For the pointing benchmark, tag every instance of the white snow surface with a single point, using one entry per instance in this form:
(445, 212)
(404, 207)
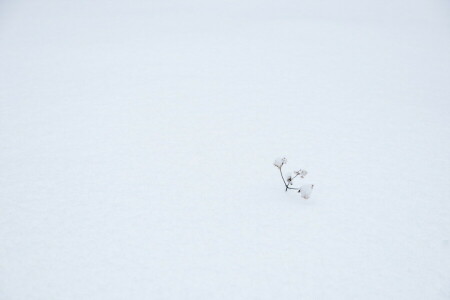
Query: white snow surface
(137, 141)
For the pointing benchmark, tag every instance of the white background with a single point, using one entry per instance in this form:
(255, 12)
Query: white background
(137, 141)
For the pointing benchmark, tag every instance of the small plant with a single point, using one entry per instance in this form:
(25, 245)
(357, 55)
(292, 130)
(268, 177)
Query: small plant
(305, 190)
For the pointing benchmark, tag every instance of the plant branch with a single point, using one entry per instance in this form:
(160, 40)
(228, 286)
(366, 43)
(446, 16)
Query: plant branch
(305, 189)
(284, 181)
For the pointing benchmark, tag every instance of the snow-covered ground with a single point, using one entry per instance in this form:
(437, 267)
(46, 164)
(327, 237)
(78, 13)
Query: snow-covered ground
(137, 141)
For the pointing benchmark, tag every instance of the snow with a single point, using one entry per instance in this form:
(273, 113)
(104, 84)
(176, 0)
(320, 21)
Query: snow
(306, 190)
(137, 141)
(280, 162)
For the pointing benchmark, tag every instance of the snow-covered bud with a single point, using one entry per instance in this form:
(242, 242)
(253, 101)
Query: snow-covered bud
(280, 162)
(289, 179)
(301, 173)
(306, 190)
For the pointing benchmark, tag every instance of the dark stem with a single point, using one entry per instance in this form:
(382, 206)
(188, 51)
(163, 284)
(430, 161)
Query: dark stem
(297, 189)
(284, 181)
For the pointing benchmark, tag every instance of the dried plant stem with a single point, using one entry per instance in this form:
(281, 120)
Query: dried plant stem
(284, 181)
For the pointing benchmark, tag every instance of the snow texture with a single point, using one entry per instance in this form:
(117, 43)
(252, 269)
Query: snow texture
(137, 140)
